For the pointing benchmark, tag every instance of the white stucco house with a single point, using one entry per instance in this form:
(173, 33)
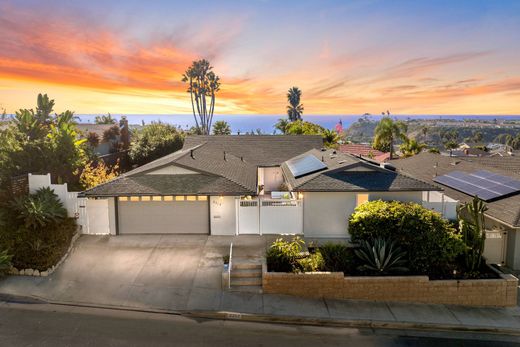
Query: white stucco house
(248, 184)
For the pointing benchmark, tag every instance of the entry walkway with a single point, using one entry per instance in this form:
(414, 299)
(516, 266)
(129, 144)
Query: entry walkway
(183, 274)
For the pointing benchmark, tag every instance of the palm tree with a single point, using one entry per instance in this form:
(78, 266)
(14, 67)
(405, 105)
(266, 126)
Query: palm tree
(294, 109)
(386, 132)
(330, 137)
(221, 127)
(105, 119)
(411, 147)
(282, 125)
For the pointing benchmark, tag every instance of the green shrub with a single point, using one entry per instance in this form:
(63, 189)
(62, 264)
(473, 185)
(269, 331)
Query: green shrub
(337, 257)
(39, 209)
(430, 241)
(311, 263)
(5, 261)
(282, 256)
(381, 257)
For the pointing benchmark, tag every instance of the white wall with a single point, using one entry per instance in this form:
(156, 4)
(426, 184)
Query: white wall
(69, 200)
(273, 177)
(222, 215)
(326, 214)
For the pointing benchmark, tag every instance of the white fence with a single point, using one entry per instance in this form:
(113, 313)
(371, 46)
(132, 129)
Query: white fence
(270, 216)
(76, 207)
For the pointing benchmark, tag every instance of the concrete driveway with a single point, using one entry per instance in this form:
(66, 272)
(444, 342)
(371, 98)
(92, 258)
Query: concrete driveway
(175, 272)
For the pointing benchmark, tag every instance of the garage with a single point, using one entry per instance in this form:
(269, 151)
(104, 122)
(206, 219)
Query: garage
(163, 215)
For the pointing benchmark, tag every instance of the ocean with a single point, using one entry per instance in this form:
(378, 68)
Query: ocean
(247, 123)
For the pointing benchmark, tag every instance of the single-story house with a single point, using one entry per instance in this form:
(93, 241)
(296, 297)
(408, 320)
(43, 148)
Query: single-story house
(248, 184)
(503, 214)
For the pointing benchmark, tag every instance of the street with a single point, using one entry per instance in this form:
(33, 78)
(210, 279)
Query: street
(23, 324)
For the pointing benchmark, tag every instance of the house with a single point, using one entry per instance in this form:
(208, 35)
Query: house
(365, 151)
(503, 214)
(249, 184)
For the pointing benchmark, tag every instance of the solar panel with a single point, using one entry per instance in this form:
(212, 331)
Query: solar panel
(484, 184)
(305, 165)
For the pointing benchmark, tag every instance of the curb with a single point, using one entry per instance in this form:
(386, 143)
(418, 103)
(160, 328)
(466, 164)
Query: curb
(273, 319)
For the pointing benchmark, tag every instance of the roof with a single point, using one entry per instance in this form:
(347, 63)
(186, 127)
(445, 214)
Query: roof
(426, 166)
(347, 173)
(259, 150)
(364, 151)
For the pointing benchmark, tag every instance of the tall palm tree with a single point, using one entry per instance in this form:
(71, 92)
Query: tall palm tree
(294, 109)
(386, 132)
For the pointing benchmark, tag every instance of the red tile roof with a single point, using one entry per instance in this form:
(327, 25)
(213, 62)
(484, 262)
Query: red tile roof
(364, 151)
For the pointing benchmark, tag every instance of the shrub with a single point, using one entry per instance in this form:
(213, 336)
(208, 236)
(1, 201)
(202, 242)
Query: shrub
(337, 257)
(311, 263)
(5, 261)
(430, 241)
(381, 257)
(39, 209)
(154, 141)
(282, 255)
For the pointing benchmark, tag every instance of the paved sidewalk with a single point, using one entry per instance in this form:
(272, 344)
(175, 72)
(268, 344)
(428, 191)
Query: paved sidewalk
(197, 291)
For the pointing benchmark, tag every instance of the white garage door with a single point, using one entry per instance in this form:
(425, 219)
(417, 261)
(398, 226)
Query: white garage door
(163, 217)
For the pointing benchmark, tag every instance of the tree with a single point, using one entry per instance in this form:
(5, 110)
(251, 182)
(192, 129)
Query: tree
(330, 137)
(202, 84)
(96, 174)
(471, 225)
(221, 128)
(387, 132)
(282, 125)
(294, 109)
(411, 147)
(153, 141)
(105, 119)
(300, 127)
(111, 134)
(477, 136)
(93, 139)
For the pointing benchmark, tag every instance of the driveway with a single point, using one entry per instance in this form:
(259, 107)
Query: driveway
(175, 272)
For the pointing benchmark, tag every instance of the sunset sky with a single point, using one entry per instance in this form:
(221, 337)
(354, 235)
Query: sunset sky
(348, 57)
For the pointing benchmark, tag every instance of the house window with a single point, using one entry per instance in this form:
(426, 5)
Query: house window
(134, 198)
(145, 198)
(157, 198)
(123, 198)
(361, 199)
(179, 198)
(202, 198)
(168, 198)
(191, 198)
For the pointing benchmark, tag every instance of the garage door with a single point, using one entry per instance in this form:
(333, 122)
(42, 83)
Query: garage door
(163, 217)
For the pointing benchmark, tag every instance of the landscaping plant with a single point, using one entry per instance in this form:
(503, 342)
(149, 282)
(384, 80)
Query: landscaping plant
(282, 255)
(5, 261)
(337, 257)
(471, 225)
(431, 243)
(381, 257)
(312, 263)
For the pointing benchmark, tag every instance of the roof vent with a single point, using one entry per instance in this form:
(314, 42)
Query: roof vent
(242, 158)
(224, 155)
(191, 154)
(323, 149)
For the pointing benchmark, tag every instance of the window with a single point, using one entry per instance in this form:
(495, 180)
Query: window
(202, 198)
(157, 198)
(134, 198)
(179, 198)
(361, 199)
(168, 198)
(191, 198)
(145, 198)
(123, 198)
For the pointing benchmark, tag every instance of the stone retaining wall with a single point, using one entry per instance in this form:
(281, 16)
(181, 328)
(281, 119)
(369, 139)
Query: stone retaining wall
(418, 289)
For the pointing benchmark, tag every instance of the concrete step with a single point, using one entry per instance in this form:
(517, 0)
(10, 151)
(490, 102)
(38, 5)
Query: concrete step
(240, 282)
(248, 289)
(246, 266)
(246, 273)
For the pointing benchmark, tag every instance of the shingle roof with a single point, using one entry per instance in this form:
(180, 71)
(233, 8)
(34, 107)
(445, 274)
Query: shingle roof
(364, 151)
(347, 173)
(426, 166)
(260, 150)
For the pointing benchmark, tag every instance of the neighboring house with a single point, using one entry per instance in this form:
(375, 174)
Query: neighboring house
(503, 214)
(106, 147)
(467, 152)
(365, 151)
(258, 184)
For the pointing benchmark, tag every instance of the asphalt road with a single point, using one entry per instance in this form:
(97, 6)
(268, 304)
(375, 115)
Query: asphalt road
(54, 325)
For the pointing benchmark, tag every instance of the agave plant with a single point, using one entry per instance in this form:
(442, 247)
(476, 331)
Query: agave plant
(40, 208)
(381, 256)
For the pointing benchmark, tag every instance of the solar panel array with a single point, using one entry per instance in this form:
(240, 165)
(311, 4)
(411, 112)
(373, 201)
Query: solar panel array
(305, 165)
(484, 184)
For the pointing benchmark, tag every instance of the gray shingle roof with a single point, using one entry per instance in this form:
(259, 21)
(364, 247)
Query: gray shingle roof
(348, 173)
(426, 166)
(260, 150)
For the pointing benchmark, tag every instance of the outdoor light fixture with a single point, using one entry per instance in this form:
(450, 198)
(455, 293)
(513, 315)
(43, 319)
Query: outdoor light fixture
(300, 195)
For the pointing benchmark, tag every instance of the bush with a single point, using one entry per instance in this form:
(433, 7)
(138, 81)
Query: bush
(39, 209)
(311, 263)
(5, 261)
(430, 241)
(154, 141)
(337, 257)
(282, 256)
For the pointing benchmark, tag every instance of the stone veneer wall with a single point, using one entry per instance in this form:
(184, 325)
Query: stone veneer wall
(417, 289)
